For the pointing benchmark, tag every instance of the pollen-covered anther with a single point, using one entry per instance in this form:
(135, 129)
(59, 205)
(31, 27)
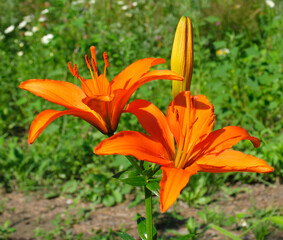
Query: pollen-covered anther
(105, 56)
(87, 62)
(94, 66)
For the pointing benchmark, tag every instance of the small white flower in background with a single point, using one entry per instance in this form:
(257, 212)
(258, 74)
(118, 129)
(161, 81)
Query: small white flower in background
(29, 18)
(243, 223)
(125, 7)
(28, 34)
(22, 24)
(134, 4)
(77, 2)
(237, 6)
(9, 29)
(34, 29)
(92, 2)
(44, 11)
(20, 53)
(47, 38)
(42, 19)
(21, 44)
(120, 2)
(128, 14)
(270, 3)
(222, 52)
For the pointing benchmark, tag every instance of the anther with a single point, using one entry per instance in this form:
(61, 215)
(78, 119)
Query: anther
(105, 56)
(93, 63)
(87, 62)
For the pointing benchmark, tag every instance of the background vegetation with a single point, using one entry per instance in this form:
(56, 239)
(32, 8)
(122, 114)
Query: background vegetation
(238, 66)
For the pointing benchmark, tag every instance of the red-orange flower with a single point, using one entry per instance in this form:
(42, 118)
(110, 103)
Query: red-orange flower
(97, 101)
(189, 121)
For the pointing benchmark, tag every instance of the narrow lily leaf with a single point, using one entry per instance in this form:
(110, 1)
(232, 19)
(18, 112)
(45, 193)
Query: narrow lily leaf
(142, 229)
(276, 219)
(125, 236)
(131, 177)
(225, 232)
(154, 187)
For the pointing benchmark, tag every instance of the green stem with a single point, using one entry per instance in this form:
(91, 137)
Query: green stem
(148, 213)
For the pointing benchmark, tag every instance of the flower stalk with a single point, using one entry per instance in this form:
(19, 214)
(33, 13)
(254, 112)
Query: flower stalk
(148, 213)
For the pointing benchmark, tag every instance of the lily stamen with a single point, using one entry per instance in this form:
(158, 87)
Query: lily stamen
(93, 61)
(105, 56)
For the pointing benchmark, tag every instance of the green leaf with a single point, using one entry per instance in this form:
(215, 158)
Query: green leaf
(70, 187)
(125, 236)
(224, 232)
(131, 177)
(118, 196)
(142, 229)
(276, 219)
(154, 187)
(212, 19)
(108, 200)
(51, 195)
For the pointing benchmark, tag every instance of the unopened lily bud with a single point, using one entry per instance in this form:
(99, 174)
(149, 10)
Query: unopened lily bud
(182, 57)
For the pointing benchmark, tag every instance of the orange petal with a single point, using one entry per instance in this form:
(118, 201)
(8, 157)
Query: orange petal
(154, 123)
(134, 72)
(232, 161)
(204, 115)
(194, 121)
(135, 144)
(42, 120)
(93, 118)
(59, 92)
(171, 184)
(226, 138)
(121, 96)
(153, 75)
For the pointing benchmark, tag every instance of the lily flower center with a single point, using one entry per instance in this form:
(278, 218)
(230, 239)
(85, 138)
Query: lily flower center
(96, 85)
(193, 132)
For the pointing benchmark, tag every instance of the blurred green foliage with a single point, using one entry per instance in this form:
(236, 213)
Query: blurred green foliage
(238, 66)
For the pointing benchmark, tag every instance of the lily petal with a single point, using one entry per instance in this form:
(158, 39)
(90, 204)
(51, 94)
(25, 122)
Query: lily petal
(136, 144)
(42, 120)
(133, 72)
(59, 92)
(171, 184)
(154, 123)
(226, 138)
(196, 118)
(232, 161)
(122, 96)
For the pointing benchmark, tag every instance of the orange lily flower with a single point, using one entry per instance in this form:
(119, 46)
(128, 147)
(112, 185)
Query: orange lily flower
(189, 121)
(97, 101)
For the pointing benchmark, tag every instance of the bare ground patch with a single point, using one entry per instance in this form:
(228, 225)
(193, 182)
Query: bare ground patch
(28, 212)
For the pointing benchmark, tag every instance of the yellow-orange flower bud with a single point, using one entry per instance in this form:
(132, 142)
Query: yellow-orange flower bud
(182, 57)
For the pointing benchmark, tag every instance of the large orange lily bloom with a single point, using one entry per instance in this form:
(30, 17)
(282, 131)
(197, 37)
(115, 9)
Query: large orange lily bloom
(189, 121)
(97, 101)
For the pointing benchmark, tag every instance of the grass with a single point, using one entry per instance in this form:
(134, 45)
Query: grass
(245, 85)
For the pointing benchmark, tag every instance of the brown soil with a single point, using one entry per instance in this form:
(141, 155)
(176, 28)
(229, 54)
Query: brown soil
(28, 212)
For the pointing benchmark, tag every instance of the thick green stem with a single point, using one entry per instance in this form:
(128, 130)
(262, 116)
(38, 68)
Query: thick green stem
(148, 213)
